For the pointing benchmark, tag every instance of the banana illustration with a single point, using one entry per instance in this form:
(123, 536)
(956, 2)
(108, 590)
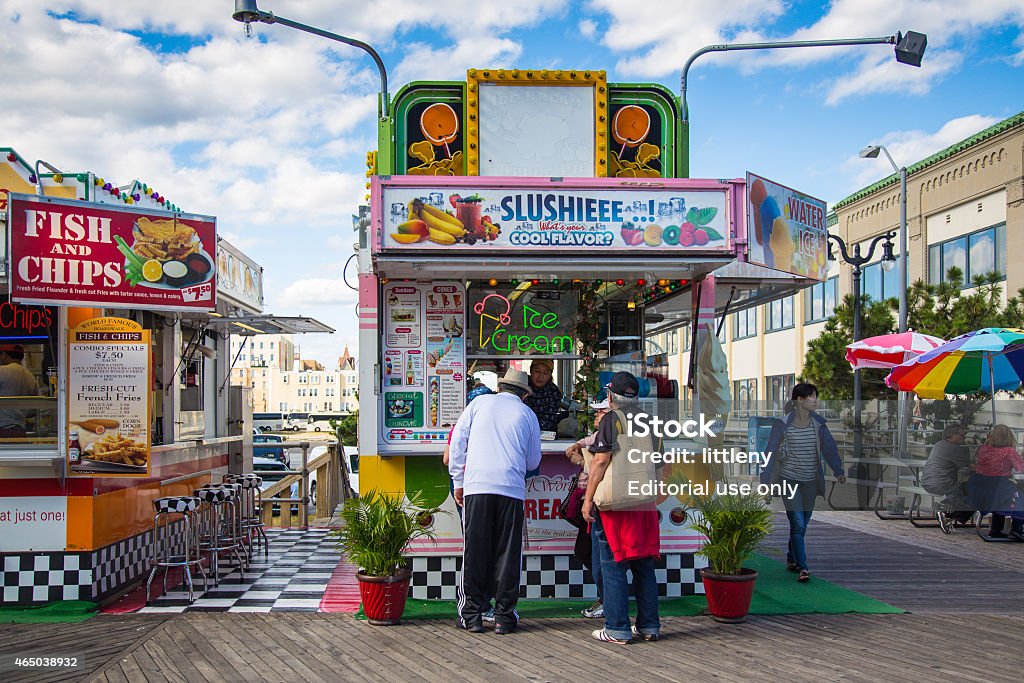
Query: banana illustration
(437, 219)
(440, 236)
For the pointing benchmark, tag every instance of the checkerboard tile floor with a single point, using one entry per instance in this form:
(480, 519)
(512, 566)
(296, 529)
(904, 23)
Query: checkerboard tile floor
(292, 578)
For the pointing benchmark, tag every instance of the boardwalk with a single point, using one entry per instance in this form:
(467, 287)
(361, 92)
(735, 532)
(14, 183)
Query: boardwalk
(966, 624)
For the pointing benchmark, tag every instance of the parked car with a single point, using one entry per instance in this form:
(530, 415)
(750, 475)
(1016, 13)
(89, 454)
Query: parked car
(272, 471)
(269, 446)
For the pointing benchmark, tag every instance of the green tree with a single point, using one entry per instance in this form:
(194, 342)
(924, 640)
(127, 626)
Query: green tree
(947, 310)
(944, 310)
(347, 428)
(825, 363)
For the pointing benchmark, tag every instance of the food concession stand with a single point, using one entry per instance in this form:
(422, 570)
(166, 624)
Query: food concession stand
(146, 412)
(536, 214)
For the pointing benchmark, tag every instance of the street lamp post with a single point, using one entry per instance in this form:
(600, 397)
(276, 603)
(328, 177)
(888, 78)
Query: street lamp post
(858, 260)
(871, 152)
(247, 12)
(909, 50)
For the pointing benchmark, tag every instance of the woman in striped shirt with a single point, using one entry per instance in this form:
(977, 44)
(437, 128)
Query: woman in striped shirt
(799, 442)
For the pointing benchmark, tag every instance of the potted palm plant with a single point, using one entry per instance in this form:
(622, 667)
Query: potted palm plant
(733, 525)
(378, 528)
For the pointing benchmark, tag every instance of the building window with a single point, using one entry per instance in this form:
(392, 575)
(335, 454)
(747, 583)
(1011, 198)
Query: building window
(744, 393)
(878, 284)
(978, 253)
(744, 323)
(820, 300)
(779, 388)
(780, 315)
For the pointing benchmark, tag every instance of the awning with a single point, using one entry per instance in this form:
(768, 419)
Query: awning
(252, 325)
(634, 264)
(739, 286)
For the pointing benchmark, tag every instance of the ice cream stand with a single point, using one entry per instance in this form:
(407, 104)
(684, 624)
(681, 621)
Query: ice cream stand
(522, 215)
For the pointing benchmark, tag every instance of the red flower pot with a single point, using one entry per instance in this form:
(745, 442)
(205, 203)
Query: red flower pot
(384, 597)
(729, 594)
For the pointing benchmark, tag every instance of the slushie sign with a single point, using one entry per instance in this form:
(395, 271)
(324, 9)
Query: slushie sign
(638, 219)
(80, 253)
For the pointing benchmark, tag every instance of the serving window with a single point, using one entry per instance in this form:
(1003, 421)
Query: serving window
(29, 344)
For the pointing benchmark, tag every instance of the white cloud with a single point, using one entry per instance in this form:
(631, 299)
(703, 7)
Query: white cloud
(588, 29)
(316, 292)
(886, 75)
(909, 147)
(655, 43)
(422, 61)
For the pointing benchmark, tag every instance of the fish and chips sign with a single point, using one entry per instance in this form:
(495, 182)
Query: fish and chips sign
(84, 254)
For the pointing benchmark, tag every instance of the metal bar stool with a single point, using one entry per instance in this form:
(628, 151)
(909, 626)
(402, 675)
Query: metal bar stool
(167, 550)
(220, 529)
(252, 507)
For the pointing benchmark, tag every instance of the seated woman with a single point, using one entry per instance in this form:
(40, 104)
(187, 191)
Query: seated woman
(990, 488)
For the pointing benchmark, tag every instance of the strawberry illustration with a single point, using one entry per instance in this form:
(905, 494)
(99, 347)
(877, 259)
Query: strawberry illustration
(453, 199)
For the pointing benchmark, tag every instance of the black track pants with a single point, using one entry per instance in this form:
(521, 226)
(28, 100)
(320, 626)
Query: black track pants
(492, 557)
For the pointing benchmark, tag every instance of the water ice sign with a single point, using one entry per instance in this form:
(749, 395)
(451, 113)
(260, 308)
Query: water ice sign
(786, 229)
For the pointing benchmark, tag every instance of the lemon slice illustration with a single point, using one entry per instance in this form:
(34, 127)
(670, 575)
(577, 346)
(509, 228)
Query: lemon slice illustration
(152, 270)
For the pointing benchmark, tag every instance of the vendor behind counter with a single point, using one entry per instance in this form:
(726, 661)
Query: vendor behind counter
(547, 397)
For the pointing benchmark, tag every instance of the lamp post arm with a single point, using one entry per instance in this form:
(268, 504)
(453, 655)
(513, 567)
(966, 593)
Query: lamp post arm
(887, 156)
(842, 248)
(874, 243)
(385, 111)
(725, 47)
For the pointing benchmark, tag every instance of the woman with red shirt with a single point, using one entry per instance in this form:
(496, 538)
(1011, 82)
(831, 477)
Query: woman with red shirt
(996, 460)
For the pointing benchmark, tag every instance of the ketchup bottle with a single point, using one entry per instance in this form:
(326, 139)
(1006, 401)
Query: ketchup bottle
(74, 448)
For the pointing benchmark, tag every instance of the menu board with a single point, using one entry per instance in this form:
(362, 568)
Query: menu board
(108, 398)
(423, 373)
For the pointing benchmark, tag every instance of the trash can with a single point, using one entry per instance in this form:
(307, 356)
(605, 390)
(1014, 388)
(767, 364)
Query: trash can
(758, 431)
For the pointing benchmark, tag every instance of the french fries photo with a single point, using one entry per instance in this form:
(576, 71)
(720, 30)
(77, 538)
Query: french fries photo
(164, 240)
(118, 449)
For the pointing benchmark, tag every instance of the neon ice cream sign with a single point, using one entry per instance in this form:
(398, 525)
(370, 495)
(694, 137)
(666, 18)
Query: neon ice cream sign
(537, 325)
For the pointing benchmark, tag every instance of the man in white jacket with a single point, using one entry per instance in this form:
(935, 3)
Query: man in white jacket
(495, 442)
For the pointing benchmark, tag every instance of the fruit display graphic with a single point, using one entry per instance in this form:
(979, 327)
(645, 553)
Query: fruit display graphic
(439, 125)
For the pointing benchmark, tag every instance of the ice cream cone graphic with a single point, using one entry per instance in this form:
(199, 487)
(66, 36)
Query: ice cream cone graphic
(781, 244)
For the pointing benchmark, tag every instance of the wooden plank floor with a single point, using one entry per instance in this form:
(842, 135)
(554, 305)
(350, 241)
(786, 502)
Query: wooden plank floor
(333, 647)
(94, 643)
(967, 624)
(911, 577)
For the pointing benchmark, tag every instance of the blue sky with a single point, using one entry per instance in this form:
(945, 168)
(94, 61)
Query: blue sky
(270, 133)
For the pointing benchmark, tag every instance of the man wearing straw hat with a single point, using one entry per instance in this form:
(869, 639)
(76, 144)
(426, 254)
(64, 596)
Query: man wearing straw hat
(495, 442)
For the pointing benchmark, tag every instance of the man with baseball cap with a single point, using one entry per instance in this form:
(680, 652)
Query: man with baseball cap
(546, 397)
(495, 442)
(15, 380)
(625, 540)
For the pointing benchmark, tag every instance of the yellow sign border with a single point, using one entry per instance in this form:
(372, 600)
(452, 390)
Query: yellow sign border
(595, 79)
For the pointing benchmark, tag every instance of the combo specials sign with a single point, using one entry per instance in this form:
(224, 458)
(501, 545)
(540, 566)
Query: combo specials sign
(555, 216)
(80, 253)
(108, 398)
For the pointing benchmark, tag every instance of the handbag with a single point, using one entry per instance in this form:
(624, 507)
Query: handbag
(571, 508)
(613, 492)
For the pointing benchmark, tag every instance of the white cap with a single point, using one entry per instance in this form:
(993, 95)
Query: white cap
(603, 405)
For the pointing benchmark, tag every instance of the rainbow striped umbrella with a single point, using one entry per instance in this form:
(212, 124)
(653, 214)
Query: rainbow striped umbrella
(986, 360)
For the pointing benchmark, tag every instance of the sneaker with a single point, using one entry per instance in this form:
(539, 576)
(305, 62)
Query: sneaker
(605, 637)
(804, 577)
(945, 523)
(595, 611)
(792, 566)
(489, 616)
(647, 637)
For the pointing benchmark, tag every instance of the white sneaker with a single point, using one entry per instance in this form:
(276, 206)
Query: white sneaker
(595, 611)
(489, 616)
(648, 637)
(605, 637)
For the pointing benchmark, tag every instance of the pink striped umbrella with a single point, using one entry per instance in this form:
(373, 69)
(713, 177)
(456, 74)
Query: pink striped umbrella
(889, 350)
